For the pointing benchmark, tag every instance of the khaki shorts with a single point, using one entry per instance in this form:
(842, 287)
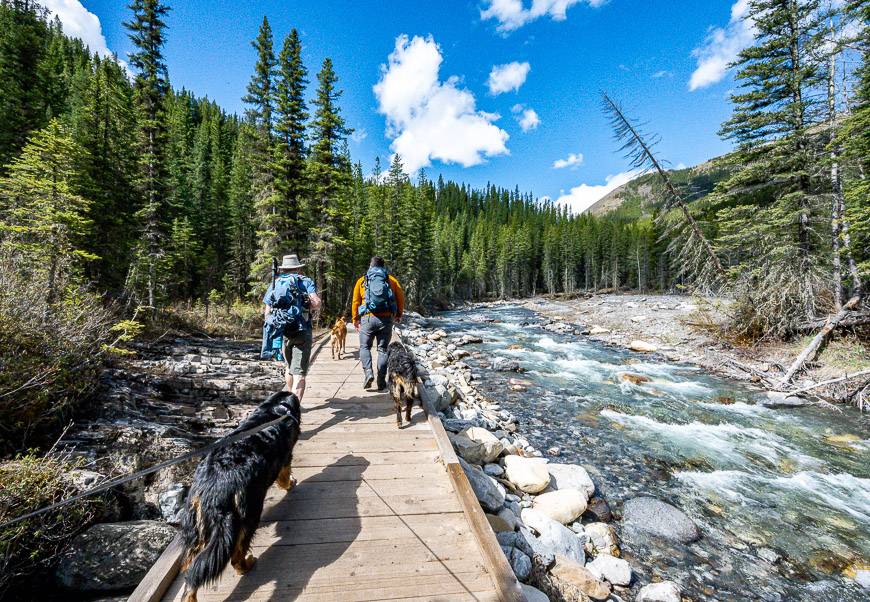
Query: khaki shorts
(297, 353)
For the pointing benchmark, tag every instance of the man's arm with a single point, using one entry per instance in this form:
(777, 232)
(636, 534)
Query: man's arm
(357, 301)
(314, 301)
(400, 297)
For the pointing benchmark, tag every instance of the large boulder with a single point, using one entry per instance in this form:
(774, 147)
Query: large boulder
(566, 572)
(555, 537)
(563, 505)
(527, 474)
(489, 492)
(655, 517)
(615, 570)
(666, 591)
(570, 476)
(113, 556)
(477, 445)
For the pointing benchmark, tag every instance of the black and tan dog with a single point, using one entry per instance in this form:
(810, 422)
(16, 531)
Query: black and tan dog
(229, 487)
(402, 378)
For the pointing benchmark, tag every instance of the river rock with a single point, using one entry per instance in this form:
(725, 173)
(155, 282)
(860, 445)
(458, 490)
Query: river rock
(570, 476)
(533, 594)
(556, 537)
(528, 474)
(521, 564)
(563, 505)
(777, 399)
(616, 570)
(635, 379)
(476, 445)
(503, 364)
(171, 502)
(533, 547)
(494, 470)
(489, 493)
(578, 576)
(509, 517)
(642, 346)
(498, 524)
(602, 538)
(862, 577)
(596, 329)
(666, 591)
(113, 556)
(655, 517)
(599, 509)
(457, 425)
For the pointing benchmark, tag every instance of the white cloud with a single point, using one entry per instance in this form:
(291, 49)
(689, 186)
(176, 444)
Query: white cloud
(432, 119)
(573, 160)
(511, 14)
(359, 134)
(722, 47)
(504, 78)
(79, 22)
(529, 120)
(662, 73)
(582, 197)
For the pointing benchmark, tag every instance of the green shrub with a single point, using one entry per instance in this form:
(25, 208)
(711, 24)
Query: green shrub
(28, 483)
(50, 357)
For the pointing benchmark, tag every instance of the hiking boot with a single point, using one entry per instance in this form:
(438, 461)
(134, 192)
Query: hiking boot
(368, 380)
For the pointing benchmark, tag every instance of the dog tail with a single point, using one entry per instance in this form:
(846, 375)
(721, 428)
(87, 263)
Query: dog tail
(217, 543)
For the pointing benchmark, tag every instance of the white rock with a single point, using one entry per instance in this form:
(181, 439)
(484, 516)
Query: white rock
(564, 505)
(554, 537)
(571, 476)
(642, 346)
(666, 591)
(477, 445)
(528, 474)
(603, 538)
(616, 570)
(596, 329)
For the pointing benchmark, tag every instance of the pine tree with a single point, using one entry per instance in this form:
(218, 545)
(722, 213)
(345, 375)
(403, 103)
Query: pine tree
(44, 225)
(151, 86)
(260, 100)
(329, 177)
(769, 230)
(289, 148)
(242, 227)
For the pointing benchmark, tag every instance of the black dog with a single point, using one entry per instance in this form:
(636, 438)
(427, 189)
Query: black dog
(402, 378)
(229, 487)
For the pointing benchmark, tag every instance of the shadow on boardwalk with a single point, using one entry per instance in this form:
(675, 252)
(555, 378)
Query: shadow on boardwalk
(299, 546)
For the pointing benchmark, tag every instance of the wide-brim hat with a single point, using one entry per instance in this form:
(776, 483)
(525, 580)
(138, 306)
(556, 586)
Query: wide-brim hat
(291, 262)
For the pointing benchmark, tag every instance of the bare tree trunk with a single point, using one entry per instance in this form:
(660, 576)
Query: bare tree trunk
(811, 351)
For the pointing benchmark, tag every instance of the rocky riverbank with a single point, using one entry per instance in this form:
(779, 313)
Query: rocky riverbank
(172, 396)
(557, 533)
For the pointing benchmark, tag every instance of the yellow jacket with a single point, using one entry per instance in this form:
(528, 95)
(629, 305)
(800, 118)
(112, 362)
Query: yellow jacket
(359, 298)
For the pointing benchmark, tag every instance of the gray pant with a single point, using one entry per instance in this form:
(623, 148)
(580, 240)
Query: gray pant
(371, 328)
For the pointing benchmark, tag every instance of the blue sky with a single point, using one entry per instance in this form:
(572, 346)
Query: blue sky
(417, 76)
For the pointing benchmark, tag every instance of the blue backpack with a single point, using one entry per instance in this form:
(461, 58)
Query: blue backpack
(379, 297)
(289, 303)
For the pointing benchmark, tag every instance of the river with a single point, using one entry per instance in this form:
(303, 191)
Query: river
(782, 497)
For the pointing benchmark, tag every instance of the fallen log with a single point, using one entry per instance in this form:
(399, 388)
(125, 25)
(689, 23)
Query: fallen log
(832, 381)
(810, 351)
(855, 319)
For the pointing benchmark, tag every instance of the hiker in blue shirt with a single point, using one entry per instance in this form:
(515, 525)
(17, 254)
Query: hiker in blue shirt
(294, 298)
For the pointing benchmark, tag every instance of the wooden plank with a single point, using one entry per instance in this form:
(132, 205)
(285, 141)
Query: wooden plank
(286, 509)
(159, 578)
(340, 458)
(307, 490)
(502, 574)
(370, 472)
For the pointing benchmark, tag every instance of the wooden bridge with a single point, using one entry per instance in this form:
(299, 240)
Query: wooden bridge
(379, 513)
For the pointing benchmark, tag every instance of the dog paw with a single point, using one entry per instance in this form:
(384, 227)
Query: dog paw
(247, 565)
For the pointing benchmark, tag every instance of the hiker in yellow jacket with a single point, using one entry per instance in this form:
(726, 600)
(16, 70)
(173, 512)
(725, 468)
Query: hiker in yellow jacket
(378, 299)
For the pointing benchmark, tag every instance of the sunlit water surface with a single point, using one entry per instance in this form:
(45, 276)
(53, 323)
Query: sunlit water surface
(760, 483)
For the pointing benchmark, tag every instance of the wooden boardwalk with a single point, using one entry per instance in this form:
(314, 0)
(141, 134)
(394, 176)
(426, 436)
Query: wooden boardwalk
(378, 514)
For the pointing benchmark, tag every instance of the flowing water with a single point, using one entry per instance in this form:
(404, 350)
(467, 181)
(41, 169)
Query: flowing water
(782, 497)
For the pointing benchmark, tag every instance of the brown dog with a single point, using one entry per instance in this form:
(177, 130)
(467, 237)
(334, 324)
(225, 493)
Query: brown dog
(339, 335)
